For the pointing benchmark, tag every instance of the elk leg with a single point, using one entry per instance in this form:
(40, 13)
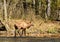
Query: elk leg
(24, 32)
(15, 32)
(19, 32)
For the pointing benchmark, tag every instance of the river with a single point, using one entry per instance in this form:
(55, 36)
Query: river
(28, 39)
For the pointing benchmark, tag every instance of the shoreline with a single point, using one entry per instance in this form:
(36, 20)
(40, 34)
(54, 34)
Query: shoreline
(36, 35)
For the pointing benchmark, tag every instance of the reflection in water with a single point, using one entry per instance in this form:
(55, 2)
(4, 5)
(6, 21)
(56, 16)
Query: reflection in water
(26, 39)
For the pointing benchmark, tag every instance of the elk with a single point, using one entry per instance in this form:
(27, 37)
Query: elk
(23, 25)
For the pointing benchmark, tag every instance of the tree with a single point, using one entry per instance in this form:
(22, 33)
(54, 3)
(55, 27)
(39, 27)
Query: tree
(48, 7)
(5, 12)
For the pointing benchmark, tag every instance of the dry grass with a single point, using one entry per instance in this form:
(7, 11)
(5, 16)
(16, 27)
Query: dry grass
(40, 26)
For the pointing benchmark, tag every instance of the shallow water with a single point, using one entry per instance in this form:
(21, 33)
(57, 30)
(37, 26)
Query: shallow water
(28, 39)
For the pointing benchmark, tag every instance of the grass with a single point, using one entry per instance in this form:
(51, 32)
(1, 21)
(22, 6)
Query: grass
(40, 26)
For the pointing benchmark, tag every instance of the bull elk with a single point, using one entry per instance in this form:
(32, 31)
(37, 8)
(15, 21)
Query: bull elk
(23, 25)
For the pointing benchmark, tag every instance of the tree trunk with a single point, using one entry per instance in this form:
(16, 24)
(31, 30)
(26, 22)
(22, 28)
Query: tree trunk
(48, 7)
(5, 12)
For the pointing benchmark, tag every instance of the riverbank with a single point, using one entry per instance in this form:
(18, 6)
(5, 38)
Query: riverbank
(49, 35)
(45, 35)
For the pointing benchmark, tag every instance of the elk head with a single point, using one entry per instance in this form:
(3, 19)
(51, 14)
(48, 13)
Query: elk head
(29, 23)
